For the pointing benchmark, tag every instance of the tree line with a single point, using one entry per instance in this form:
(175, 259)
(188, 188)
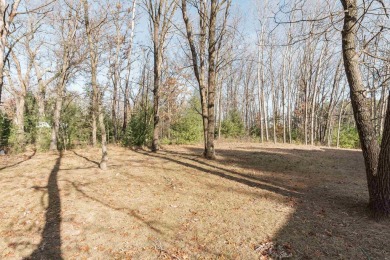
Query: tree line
(148, 72)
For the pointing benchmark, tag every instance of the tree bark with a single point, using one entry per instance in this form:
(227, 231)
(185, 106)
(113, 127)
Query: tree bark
(156, 91)
(126, 108)
(198, 62)
(97, 97)
(210, 151)
(377, 173)
(380, 205)
(104, 160)
(5, 23)
(57, 115)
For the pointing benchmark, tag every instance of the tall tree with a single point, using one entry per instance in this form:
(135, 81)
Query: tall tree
(66, 60)
(97, 95)
(160, 16)
(7, 16)
(211, 36)
(376, 158)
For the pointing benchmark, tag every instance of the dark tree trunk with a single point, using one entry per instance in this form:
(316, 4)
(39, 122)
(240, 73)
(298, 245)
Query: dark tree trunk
(156, 88)
(377, 173)
(210, 151)
(380, 204)
(198, 63)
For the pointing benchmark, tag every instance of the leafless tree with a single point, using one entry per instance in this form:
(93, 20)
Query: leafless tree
(160, 14)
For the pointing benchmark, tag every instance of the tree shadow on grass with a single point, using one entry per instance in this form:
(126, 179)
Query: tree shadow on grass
(224, 173)
(86, 158)
(50, 245)
(130, 212)
(15, 164)
(330, 218)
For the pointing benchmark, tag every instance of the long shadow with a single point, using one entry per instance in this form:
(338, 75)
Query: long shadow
(86, 158)
(129, 212)
(227, 174)
(199, 160)
(330, 220)
(28, 158)
(50, 245)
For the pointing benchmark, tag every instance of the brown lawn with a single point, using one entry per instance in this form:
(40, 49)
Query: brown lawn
(306, 201)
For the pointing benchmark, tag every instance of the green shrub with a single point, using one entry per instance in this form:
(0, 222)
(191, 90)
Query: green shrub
(139, 131)
(188, 128)
(5, 130)
(30, 118)
(255, 131)
(233, 126)
(74, 129)
(17, 141)
(43, 139)
(349, 137)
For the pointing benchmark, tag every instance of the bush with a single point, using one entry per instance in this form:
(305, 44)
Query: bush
(349, 137)
(5, 130)
(17, 140)
(233, 126)
(255, 131)
(188, 128)
(73, 126)
(43, 139)
(139, 131)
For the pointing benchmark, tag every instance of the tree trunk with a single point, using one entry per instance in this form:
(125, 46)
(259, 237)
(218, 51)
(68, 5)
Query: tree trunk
(156, 87)
(127, 84)
(115, 105)
(306, 112)
(57, 115)
(377, 173)
(19, 121)
(94, 127)
(2, 50)
(103, 162)
(380, 204)
(260, 86)
(339, 124)
(219, 110)
(97, 97)
(198, 66)
(210, 152)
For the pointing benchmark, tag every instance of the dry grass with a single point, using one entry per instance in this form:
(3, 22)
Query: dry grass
(176, 205)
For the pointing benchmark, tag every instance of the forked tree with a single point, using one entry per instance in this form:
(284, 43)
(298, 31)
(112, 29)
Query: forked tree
(97, 96)
(210, 36)
(7, 16)
(160, 14)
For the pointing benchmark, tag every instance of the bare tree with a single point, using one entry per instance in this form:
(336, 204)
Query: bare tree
(7, 16)
(160, 16)
(211, 34)
(97, 96)
(66, 60)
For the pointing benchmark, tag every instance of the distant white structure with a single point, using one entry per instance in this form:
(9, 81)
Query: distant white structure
(43, 125)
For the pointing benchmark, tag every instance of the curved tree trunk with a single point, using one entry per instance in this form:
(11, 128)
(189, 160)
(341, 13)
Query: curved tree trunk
(377, 173)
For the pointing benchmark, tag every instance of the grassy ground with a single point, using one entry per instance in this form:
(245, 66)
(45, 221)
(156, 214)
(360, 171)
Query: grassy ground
(255, 202)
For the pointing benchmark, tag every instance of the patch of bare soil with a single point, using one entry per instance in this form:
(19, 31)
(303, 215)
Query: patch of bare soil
(255, 202)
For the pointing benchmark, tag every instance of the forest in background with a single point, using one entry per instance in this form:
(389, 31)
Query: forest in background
(278, 73)
(285, 77)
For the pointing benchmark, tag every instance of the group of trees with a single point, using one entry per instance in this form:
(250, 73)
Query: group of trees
(152, 71)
